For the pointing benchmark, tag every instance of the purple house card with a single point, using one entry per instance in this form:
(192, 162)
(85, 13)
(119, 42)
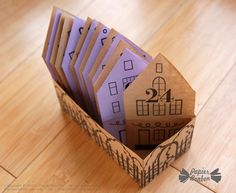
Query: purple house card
(117, 129)
(109, 97)
(75, 34)
(81, 54)
(115, 42)
(51, 43)
(89, 64)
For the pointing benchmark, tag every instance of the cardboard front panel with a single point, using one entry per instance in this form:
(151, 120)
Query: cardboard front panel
(159, 94)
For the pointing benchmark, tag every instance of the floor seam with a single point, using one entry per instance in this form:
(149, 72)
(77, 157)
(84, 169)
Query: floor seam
(216, 88)
(44, 149)
(8, 172)
(21, 63)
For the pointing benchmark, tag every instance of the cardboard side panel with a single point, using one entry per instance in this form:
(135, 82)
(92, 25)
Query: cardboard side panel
(167, 152)
(126, 158)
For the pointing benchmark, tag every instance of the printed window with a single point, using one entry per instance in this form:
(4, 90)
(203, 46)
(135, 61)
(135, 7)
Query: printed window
(159, 109)
(116, 107)
(159, 135)
(171, 132)
(158, 67)
(113, 88)
(126, 81)
(142, 108)
(176, 107)
(144, 136)
(103, 66)
(159, 84)
(128, 65)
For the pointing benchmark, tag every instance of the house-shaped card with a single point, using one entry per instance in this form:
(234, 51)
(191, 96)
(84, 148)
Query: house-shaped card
(157, 105)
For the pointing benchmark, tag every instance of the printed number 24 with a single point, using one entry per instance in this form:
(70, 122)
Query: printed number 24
(154, 98)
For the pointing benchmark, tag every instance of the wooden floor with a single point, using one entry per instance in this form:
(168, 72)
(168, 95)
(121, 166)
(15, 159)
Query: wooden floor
(42, 150)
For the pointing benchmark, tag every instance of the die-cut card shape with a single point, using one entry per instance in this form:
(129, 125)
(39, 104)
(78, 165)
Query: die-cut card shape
(65, 34)
(112, 41)
(75, 34)
(51, 34)
(81, 66)
(101, 55)
(56, 46)
(79, 59)
(157, 104)
(95, 46)
(122, 68)
(54, 12)
(75, 56)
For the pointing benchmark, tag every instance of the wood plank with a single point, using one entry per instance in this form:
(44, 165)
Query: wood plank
(214, 137)
(200, 41)
(5, 179)
(30, 116)
(137, 20)
(74, 161)
(27, 29)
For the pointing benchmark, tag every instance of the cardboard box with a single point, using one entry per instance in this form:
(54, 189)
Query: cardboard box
(141, 170)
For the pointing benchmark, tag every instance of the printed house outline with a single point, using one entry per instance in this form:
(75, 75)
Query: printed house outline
(160, 107)
(128, 64)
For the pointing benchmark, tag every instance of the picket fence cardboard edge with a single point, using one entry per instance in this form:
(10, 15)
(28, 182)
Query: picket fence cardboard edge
(141, 170)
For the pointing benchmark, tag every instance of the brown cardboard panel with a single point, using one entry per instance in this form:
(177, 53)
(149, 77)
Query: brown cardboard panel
(164, 97)
(68, 21)
(102, 53)
(83, 63)
(45, 47)
(56, 46)
(77, 50)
